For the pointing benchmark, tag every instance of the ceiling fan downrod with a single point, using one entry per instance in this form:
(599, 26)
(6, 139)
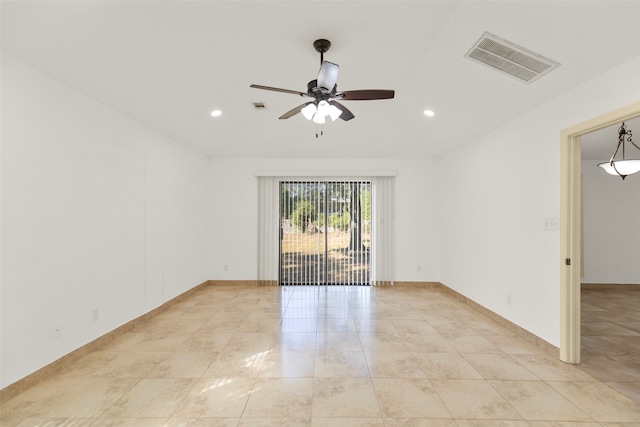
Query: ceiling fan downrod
(321, 45)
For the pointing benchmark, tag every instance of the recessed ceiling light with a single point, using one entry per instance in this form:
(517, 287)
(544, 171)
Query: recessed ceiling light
(216, 113)
(429, 113)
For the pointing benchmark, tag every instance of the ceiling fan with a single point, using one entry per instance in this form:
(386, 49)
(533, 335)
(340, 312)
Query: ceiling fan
(324, 94)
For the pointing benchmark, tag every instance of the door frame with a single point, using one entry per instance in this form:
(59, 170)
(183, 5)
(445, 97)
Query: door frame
(571, 225)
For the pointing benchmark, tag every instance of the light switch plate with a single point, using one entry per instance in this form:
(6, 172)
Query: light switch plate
(551, 224)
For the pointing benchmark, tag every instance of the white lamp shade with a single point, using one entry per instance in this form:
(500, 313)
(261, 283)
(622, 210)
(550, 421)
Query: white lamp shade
(308, 111)
(328, 75)
(323, 108)
(320, 112)
(334, 112)
(624, 167)
(319, 119)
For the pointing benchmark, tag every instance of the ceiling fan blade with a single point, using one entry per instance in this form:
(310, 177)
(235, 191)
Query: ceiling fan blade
(328, 75)
(276, 89)
(295, 111)
(346, 114)
(366, 94)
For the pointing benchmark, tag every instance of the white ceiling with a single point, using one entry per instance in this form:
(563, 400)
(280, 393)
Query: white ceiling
(167, 64)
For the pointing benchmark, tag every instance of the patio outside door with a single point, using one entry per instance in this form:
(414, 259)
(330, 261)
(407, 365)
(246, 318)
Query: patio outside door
(325, 233)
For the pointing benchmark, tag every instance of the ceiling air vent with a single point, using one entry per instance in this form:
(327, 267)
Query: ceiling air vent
(510, 58)
(259, 105)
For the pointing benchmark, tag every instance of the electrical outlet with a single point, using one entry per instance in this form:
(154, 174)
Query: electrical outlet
(95, 313)
(508, 299)
(226, 267)
(419, 268)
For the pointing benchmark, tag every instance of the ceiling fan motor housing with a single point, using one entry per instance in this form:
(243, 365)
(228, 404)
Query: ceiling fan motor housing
(320, 93)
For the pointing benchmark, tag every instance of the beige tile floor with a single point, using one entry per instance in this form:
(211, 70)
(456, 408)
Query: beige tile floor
(611, 339)
(324, 356)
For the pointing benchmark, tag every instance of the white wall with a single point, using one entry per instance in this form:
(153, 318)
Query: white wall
(611, 209)
(234, 201)
(98, 212)
(495, 202)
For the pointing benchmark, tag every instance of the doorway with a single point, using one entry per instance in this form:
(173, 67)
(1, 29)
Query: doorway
(571, 226)
(325, 233)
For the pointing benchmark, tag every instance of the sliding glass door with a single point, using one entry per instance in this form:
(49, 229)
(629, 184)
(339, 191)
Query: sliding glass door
(325, 233)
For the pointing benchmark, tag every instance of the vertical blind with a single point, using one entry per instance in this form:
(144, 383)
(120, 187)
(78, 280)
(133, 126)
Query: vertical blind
(377, 241)
(382, 239)
(268, 230)
(325, 232)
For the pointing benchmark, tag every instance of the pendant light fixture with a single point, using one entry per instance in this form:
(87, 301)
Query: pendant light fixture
(319, 112)
(624, 166)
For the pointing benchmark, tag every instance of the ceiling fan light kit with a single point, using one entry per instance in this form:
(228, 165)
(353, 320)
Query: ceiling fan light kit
(624, 166)
(324, 92)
